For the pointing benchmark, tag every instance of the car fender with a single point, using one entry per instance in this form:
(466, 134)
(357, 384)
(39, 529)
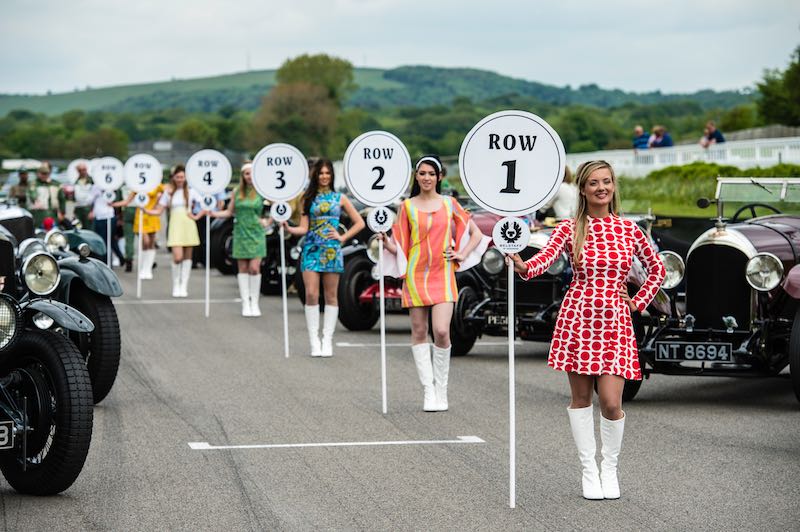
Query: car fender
(96, 243)
(63, 314)
(791, 284)
(95, 275)
(353, 249)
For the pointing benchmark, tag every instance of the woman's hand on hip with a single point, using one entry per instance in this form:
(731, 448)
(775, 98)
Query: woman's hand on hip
(452, 254)
(623, 293)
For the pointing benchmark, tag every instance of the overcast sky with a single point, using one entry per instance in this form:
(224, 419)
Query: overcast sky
(674, 46)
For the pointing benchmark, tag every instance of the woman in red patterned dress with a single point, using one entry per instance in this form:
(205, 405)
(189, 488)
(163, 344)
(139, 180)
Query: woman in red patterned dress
(593, 338)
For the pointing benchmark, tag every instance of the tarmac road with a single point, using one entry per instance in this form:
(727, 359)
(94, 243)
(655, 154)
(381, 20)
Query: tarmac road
(699, 453)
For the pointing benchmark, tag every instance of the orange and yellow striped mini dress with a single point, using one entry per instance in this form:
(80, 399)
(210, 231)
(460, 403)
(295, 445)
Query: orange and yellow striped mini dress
(424, 237)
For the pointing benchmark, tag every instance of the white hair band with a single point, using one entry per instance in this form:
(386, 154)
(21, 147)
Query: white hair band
(430, 160)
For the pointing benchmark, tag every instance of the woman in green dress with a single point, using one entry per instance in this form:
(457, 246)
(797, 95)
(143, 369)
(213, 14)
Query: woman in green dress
(249, 242)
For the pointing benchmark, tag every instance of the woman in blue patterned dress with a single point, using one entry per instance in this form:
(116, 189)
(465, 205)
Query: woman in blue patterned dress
(322, 251)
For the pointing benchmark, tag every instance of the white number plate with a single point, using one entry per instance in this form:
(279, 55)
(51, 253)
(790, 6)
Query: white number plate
(718, 352)
(6, 434)
(497, 320)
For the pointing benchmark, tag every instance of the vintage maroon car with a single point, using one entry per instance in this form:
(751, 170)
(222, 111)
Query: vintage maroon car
(739, 313)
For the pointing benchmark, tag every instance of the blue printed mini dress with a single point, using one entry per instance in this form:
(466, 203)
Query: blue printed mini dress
(320, 252)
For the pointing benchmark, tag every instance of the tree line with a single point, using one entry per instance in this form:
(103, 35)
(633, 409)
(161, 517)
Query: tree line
(310, 108)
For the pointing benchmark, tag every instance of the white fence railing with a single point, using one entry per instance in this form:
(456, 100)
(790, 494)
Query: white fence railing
(743, 154)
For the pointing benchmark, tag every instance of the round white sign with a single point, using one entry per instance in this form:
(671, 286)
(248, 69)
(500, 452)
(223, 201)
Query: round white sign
(108, 173)
(208, 171)
(280, 172)
(143, 172)
(511, 234)
(72, 169)
(280, 211)
(139, 200)
(380, 219)
(512, 163)
(377, 168)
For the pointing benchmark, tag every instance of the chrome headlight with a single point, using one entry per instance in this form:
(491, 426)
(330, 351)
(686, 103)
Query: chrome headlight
(492, 261)
(295, 252)
(29, 246)
(559, 265)
(10, 318)
(372, 248)
(764, 272)
(56, 240)
(673, 264)
(40, 273)
(375, 274)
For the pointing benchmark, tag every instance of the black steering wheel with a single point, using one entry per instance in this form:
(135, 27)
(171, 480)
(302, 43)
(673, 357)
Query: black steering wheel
(752, 208)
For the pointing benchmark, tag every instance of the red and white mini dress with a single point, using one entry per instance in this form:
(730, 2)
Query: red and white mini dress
(593, 333)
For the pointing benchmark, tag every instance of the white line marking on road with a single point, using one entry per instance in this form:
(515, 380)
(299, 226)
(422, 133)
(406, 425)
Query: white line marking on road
(205, 446)
(174, 301)
(406, 344)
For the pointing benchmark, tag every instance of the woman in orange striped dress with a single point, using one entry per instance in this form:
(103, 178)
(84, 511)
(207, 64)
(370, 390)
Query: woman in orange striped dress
(423, 238)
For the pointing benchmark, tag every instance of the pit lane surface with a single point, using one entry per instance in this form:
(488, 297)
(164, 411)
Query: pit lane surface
(699, 453)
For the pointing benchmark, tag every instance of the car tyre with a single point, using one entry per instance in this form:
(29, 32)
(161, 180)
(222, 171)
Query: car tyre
(222, 248)
(794, 354)
(102, 347)
(462, 334)
(54, 379)
(356, 278)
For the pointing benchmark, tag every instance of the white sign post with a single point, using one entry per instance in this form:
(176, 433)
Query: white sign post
(208, 172)
(377, 171)
(143, 173)
(281, 212)
(512, 163)
(280, 172)
(108, 174)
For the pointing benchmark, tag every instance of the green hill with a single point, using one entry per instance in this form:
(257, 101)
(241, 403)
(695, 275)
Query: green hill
(404, 86)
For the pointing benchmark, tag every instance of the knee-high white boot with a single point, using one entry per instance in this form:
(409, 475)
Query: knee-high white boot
(148, 258)
(312, 323)
(441, 369)
(176, 279)
(582, 422)
(331, 317)
(611, 438)
(244, 292)
(422, 359)
(186, 272)
(255, 293)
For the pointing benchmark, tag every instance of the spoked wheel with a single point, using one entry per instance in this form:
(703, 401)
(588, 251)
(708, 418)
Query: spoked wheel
(52, 391)
(102, 347)
(462, 335)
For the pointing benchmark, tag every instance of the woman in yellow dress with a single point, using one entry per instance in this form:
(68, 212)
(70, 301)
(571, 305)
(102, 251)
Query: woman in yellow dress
(150, 226)
(182, 233)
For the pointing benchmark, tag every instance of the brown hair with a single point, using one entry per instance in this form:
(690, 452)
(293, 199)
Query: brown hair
(582, 214)
(313, 185)
(176, 169)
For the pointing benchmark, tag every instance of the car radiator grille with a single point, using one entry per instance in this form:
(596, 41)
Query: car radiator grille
(716, 286)
(21, 228)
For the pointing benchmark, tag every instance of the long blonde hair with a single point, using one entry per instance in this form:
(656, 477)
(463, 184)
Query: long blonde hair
(245, 190)
(582, 213)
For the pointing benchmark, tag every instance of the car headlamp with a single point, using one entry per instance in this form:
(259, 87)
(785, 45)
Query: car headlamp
(42, 320)
(10, 321)
(559, 265)
(764, 271)
(29, 246)
(295, 252)
(40, 273)
(373, 246)
(492, 261)
(55, 240)
(675, 268)
(84, 250)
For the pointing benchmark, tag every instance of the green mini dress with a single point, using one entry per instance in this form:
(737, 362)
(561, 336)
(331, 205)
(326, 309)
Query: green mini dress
(249, 241)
